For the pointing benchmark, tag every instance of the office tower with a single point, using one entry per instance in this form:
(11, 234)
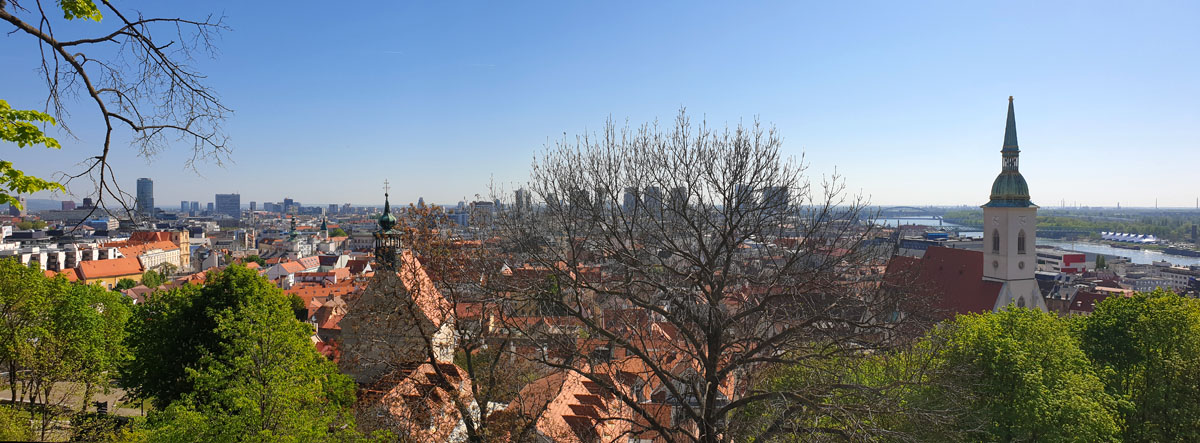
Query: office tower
(524, 203)
(332, 209)
(630, 200)
(195, 207)
(253, 206)
(653, 200)
(145, 195)
(183, 206)
(287, 205)
(679, 199)
(87, 202)
(744, 197)
(68, 205)
(776, 198)
(229, 204)
(210, 209)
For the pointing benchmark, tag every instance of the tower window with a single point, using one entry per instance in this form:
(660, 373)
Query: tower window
(996, 240)
(1021, 242)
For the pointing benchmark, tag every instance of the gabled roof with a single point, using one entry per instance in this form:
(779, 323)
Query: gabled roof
(953, 278)
(116, 267)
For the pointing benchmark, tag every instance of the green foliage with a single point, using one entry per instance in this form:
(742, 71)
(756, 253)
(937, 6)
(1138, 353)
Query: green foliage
(54, 331)
(125, 283)
(174, 329)
(1025, 379)
(14, 425)
(20, 127)
(1148, 349)
(31, 224)
(255, 259)
(1100, 262)
(153, 279)
(259, 377)
(84, 9)
(337, 232)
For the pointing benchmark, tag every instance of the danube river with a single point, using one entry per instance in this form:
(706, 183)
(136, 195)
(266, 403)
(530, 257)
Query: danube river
(1137, 256)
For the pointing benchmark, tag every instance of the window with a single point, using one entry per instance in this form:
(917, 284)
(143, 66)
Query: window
(996, 241)
(1021, 242)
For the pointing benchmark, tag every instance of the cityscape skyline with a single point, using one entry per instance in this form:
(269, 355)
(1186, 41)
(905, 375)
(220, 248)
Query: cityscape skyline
(899, 99)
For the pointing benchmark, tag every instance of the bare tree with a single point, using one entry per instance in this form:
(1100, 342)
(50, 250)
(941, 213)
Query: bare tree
(692, 262)
(429, 319)
(138, 74)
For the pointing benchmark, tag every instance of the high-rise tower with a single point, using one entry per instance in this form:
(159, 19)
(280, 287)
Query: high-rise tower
(1010, 229)
(145, 196)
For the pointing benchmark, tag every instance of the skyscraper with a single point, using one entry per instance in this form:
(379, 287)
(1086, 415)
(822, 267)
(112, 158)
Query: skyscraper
(229, 204)
(145, 196)
(68, 205)
(184, 205)
(253, 206)
(210, 209)
(629, 201)
(524, 203)
(195, 207)
(776, 198)
(653, 200)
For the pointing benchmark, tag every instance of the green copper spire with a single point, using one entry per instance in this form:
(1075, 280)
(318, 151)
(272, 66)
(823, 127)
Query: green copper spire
(387, 221)
(1010, 129)
(1010, 189)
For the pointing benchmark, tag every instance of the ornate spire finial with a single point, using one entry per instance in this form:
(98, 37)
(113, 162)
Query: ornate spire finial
(1010, 130)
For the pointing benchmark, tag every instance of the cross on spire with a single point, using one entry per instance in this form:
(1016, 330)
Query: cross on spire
(386, 187)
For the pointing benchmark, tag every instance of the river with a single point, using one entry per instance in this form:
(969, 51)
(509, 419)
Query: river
(1142, 256)
(1137, 256)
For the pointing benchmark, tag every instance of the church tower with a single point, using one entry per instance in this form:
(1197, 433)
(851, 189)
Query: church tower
(1010, 230)
(387, 239)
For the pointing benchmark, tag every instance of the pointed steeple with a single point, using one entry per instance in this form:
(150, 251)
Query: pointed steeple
(1010, 189)
(1010, 129)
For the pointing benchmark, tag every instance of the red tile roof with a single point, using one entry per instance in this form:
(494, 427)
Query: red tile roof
(117, 267)
(953, 278)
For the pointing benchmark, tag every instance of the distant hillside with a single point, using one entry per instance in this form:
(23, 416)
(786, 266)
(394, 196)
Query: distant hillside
(38, 204)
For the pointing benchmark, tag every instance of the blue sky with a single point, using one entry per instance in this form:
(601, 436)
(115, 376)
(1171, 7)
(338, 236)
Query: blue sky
(905, 99)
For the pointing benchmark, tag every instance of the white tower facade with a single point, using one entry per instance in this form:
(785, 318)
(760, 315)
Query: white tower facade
(1010, 230)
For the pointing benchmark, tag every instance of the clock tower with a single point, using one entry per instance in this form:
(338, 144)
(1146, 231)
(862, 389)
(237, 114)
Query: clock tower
(1010, 230)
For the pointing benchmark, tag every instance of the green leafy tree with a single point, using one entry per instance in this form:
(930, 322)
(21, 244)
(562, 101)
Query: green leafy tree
(31, 224)
(1148, 349)
(1024, 378)
(14, 425)
(1100, 262)
(153, 279)
(58, 336)
(337, 232)
(24, 304)
(255, 259)
(174, 329)
(267, 382)
(126, 283)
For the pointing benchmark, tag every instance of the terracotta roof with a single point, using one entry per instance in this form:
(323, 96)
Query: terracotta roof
(136, 249)
(953, 278)
(69, 274)
(117, 267)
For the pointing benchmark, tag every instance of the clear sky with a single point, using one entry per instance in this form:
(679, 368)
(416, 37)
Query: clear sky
(905, 99)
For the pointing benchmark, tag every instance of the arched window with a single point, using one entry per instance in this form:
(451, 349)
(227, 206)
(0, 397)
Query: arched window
(1021, 242)
(996, 240)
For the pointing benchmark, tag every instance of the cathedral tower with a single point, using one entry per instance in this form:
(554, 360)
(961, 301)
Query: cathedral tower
(1010, 229)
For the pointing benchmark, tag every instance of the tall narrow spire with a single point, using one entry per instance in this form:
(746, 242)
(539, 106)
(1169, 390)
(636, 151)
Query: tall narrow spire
(1010, 129)
(1010, 188)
